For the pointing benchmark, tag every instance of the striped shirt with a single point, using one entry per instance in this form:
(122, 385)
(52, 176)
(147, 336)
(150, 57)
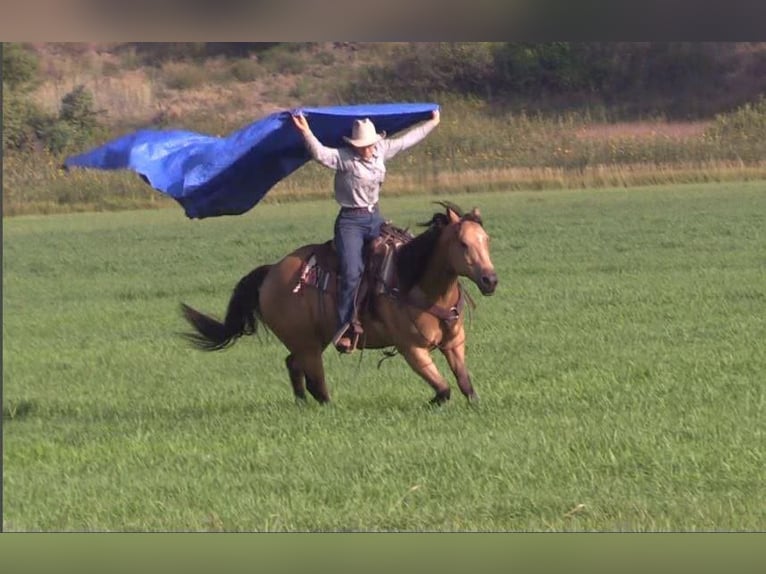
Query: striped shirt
(358, 181)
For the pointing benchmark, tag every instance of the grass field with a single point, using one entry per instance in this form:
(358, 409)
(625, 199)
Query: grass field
(621, 367)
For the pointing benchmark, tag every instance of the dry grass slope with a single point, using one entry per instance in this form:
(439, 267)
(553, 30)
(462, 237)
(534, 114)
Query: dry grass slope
(479, 146)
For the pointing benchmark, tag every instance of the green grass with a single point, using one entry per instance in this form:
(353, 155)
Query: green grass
(620, 366)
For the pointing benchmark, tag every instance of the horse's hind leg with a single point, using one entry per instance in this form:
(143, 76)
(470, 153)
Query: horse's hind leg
(311, 363)
(297, 377)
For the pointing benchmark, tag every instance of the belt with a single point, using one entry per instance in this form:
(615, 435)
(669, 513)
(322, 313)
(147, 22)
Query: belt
(361, 209)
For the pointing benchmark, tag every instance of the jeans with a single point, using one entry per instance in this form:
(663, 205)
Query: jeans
(352, 230)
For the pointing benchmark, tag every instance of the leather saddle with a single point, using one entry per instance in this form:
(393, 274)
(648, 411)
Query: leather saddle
(320, 270)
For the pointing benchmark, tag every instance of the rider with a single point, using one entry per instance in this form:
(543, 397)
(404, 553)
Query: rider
(359, 175)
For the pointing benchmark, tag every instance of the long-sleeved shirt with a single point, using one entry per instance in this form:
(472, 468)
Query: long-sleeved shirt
(358, 181)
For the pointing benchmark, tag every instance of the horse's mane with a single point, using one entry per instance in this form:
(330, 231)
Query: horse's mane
(413, 256)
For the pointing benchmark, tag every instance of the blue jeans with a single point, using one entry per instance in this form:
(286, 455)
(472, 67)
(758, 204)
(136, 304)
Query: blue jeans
(352, 230)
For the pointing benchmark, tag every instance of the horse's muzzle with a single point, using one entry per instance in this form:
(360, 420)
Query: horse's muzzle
(487, 283)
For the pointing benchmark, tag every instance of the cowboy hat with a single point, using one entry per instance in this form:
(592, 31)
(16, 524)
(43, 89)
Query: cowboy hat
(363, 134)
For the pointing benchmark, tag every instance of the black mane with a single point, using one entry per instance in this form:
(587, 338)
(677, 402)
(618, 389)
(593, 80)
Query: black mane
(413, 257)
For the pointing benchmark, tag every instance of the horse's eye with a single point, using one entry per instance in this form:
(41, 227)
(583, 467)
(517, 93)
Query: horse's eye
(464, 245)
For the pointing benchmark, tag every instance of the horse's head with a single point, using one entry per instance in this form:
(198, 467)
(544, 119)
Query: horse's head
(467, 247)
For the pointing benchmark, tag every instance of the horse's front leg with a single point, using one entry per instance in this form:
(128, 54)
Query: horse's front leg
(454, 352)
(421, 362)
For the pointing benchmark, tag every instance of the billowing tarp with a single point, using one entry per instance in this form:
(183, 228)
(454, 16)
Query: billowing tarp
(211, 176)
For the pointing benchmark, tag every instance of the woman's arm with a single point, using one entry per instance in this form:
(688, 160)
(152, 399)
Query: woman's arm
(327, 156)
(394, 145)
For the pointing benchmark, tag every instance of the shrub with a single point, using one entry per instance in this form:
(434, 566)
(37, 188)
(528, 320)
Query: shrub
(420, 70)
(58, 135)
(283, 60)
(20, 73)
(19, 67)
(111, 69)
(741, 132)
(643, 78)
(325, 58)
(77, 110)
(302, 90)
(77, 122)
(27, 127)
(246, 70)
(19, 118)
(181, 76)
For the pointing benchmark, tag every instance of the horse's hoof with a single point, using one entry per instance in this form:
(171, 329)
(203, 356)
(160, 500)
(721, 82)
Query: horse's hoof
(473, 399)
(440, 398)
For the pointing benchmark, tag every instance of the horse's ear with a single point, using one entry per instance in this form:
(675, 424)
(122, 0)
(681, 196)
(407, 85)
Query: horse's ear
(453, 215)
(476, 213)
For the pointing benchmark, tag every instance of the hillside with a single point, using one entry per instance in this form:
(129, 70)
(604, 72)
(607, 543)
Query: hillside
(133, 85)
(222, 85)
(514, 116)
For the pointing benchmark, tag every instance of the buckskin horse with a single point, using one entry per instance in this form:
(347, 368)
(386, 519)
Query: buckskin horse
(416, 308)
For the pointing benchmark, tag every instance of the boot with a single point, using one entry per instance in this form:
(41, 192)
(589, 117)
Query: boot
(345, 339)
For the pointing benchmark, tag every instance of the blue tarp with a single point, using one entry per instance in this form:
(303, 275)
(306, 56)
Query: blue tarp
(211, 176)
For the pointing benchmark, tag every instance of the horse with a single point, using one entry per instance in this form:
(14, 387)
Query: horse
(422, 312)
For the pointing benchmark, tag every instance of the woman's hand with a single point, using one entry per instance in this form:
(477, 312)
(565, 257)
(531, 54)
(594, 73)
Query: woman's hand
(301, 123)
(435, 115)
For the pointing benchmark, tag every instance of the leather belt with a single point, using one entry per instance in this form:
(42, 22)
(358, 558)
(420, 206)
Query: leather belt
(360, 210)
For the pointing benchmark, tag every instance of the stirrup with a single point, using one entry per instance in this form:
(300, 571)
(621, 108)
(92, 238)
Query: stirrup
(346, 339)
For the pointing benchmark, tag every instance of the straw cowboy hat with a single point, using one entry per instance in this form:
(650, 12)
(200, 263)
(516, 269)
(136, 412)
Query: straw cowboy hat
(363, 134)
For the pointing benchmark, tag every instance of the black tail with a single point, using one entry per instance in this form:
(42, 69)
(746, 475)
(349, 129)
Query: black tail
(242, 315)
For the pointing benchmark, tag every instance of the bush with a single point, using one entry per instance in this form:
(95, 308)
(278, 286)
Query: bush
(77, 123)
(637, 79)
(325, 58)
(28, 128)
(181, 76)
(19, 119)
(742, 133)
(19, 67)
(535, 69)
(20, 74)
(246, 70)
(418, 71)
(58, 136)
(302, 90)
(77, 110)
(283, 60)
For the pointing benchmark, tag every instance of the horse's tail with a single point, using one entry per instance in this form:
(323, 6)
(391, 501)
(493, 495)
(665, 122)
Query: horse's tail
(242, 315)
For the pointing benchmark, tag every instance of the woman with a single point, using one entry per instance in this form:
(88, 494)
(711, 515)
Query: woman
(359, 174)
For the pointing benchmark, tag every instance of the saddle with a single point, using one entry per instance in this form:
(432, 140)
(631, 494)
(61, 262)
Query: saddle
(320, 270)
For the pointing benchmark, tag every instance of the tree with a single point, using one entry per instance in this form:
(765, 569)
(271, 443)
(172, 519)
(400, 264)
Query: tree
(77, 110)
